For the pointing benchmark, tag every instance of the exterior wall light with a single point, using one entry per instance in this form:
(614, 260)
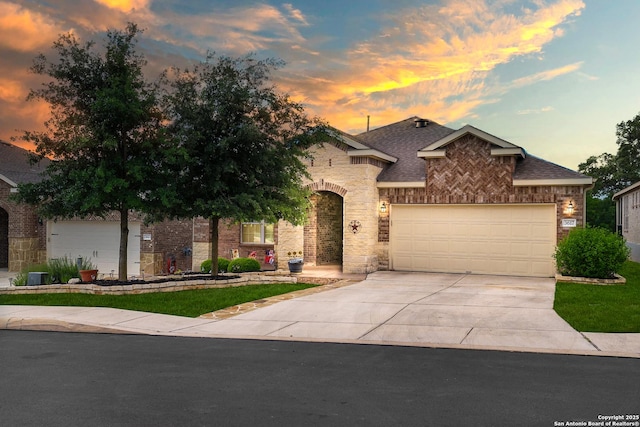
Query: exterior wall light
(570, 208)
(383, 207)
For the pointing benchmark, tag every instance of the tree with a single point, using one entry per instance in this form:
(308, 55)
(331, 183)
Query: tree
(104, 134)
(242, 144)
(612, 173)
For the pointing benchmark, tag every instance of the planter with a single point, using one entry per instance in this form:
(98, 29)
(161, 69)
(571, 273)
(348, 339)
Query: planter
(295, 265)
(88, 275)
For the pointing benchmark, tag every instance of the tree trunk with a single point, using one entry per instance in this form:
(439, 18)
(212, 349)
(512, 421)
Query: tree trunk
(213, 241)
(124, 241)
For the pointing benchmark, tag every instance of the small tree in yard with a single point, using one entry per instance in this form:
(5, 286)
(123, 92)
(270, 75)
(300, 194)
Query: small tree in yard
(591, 252)
(104, 134)
(242, 144)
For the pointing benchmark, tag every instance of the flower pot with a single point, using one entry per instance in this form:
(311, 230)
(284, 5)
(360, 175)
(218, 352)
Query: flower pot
(88, 275)
(295, 265)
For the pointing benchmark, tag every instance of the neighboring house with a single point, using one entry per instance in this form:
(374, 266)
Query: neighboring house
(418, 196)
(22, 233)
(26, 239)
(628, 217)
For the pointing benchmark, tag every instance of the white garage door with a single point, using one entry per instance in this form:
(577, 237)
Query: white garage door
(97, 240)
(481, 239)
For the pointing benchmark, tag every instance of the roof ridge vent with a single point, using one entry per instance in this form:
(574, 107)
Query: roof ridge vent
(421, 123)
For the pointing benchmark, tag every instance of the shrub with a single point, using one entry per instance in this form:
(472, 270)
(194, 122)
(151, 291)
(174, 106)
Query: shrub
(205, 266)
(223, 265)
(242, 265)
(22, 277)
(591, 252)
(60, 270)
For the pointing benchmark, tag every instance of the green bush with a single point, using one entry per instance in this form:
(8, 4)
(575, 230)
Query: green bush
(223, 265)
(243, 265)
(591, 252)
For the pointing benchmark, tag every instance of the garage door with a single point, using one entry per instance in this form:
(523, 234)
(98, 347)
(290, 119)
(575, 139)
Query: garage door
(97, 240)
(480, 239)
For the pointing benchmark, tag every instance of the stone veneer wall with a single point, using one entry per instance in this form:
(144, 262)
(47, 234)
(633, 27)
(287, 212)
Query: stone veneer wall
(334, 171)
(26, 236)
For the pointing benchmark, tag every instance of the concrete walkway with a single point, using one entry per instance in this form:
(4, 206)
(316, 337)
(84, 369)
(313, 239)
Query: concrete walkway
(418, 309)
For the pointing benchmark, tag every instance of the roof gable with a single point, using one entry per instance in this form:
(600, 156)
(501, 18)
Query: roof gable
(402, 140)
(358, 149)
(15, 167)
(628, 189)
(503, 148)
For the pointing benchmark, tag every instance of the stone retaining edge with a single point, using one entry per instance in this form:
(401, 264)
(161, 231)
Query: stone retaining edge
(619, 280)
(173, 286)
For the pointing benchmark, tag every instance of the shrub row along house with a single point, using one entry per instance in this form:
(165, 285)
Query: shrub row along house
(412, 195)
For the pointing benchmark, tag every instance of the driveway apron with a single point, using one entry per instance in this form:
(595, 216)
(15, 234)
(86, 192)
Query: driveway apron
(477, 311)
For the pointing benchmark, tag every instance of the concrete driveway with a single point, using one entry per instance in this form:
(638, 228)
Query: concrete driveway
(420, 308)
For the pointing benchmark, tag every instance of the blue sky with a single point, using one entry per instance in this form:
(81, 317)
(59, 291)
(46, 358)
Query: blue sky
(553, 76)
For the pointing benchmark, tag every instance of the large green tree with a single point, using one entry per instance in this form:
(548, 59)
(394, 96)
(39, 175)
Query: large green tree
(242, 144)
(613, 173)
(104, 134)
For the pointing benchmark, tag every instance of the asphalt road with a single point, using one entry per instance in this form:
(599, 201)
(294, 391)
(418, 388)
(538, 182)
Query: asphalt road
(65, 379)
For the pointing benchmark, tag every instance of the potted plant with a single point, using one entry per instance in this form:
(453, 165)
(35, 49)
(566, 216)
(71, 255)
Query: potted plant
(295, 262)
(87, 270)
(88, 275)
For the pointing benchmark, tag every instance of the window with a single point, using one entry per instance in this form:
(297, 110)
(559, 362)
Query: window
(257, 233)
(625, 212)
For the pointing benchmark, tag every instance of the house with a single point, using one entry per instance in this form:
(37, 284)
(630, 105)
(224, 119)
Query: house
(418, 196)
(628, 217)
(22, 233)
(26, 239)
(410, 196)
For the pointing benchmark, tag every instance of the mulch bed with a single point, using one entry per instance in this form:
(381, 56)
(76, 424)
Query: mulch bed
(186, 277)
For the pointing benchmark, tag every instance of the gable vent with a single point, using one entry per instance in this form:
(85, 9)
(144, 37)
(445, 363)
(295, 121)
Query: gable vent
(421, 123)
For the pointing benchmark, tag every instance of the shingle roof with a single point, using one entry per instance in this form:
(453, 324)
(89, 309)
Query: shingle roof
(403, 140)
(532, 167)
(15, 166)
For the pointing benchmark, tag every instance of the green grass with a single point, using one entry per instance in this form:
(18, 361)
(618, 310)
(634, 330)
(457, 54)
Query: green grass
(594, 308)
(184, 303)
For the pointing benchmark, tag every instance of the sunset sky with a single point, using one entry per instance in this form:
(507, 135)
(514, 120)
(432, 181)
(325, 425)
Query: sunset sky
(552, 76)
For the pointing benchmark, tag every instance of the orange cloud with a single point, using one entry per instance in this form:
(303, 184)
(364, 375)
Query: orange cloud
(546, 75)
(125, 5)
(24, 30)
(433, 61)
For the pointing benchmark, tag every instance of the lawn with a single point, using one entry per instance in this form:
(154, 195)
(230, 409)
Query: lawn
(183, 303)
(593, 308)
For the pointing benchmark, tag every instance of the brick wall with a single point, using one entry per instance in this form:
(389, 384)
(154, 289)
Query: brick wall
(468, 173)
(329, 229)
(311, 232)
(228, 239)
(25, 237)
(4, 239)
(168, 239)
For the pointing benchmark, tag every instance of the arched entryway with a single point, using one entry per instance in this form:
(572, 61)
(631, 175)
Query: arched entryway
(4, 239)
(323, 231)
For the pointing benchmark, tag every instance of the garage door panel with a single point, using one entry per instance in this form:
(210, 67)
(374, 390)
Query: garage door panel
(498, 239)
(98, 241)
